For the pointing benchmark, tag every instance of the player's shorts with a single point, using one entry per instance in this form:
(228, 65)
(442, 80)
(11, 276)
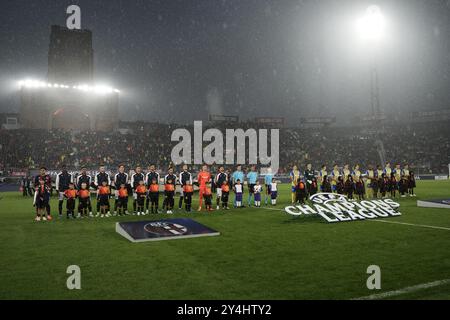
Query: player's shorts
(334, 188)
(140, 201)
(239, 197)
(219, 192)
(103, 200)
(70, 204)
(274, 195)
(258, 196)
(84, 203)
(123, 202)
(41, 203)
(61, 196)
(116, 194)
(153, 196)
(135, 196)
(169, 194)
(251, 188)
(293, 189)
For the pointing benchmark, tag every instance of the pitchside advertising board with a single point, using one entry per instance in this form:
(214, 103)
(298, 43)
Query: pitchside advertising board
(335, 208)
(436, 203)
(142, 231)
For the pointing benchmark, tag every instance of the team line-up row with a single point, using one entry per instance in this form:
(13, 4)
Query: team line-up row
(146, 188)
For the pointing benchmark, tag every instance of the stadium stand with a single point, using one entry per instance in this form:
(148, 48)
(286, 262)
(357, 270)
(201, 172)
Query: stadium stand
(425, 147)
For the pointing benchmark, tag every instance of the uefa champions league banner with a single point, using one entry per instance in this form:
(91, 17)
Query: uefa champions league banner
(335, 208)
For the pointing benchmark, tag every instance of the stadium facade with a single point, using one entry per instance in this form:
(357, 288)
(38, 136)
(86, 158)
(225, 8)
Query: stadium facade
(66, 102)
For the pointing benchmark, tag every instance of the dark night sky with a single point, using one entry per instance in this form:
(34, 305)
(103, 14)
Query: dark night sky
(179, 60)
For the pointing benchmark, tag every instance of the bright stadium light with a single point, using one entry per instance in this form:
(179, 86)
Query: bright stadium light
(97, 89)
(372, 25)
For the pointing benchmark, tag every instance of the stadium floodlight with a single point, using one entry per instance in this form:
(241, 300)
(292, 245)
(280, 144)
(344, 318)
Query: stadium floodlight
(97, 89)
(102, 90)
(372, 25)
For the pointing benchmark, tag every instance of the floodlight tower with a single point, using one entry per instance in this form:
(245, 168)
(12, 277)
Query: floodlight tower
(371, 28)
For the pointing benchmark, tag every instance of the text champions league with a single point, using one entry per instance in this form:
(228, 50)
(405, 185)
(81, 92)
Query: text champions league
(336, 208)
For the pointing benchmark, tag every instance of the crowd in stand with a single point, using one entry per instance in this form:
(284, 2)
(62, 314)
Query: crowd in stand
(425, 147)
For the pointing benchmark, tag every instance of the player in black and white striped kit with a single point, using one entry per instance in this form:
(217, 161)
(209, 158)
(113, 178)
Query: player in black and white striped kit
(219, 179)
(170, 176)
(184, 177)
(120, 178)
(135, 179)
(98, 180)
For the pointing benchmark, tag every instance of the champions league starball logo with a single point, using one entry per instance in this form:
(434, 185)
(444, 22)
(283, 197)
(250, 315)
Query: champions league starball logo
(338, 208)
(165, 228)
(324, 198)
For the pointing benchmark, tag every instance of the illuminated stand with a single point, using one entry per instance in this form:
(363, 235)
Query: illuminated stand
(69, 99)
(59, 106)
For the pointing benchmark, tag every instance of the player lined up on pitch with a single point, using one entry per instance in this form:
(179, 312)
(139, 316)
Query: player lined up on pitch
(354, 183)
(146, 189)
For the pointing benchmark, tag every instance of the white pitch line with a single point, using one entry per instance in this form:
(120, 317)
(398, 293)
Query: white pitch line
(273, 209)
(406, 290)
(412, 224)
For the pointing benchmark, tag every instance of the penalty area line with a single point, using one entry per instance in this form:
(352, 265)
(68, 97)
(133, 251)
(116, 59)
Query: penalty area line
(406, 290)
(411, 224)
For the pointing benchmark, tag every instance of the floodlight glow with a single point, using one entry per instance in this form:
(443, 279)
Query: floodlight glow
(98, 89)
(372, 25)
(102, 90)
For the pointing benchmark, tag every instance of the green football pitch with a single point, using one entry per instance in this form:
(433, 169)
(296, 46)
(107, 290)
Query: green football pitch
(260, 254)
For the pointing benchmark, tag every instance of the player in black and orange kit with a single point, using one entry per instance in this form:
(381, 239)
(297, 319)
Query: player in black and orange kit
(122, 200)
(85, 178)
(98, 182)
(225, 194)
(103, 195)
(208, 197)
(184, 178)
(152, 177)
(121, 178)
(219, 180)
(169, 191)
(204, 176)
(71, 196)
(83, 200)
(188, 191)
(153, 196)
(173, 180)
(136, 179)
(141, 194)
